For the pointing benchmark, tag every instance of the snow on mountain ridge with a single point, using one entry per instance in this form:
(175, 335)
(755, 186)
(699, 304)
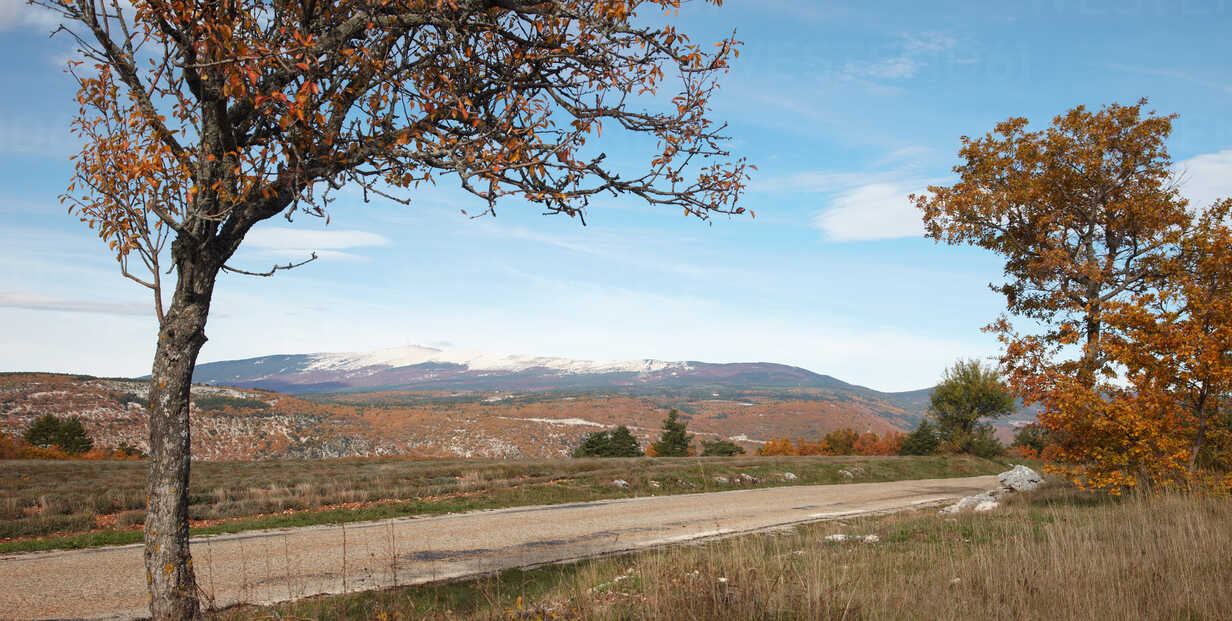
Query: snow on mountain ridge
(476, 360)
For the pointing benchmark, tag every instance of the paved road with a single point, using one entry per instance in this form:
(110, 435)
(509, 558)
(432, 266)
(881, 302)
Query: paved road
(272, 566)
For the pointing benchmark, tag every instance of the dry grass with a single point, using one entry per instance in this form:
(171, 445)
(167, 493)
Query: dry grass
(1057, 554)
(68, 497)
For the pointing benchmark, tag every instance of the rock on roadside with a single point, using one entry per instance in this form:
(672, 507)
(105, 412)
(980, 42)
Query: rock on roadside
(1019, 479)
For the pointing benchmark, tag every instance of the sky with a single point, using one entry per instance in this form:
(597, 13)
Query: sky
(844, 107)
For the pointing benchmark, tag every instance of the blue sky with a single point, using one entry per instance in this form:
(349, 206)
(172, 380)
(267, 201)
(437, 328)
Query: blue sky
(844, 107)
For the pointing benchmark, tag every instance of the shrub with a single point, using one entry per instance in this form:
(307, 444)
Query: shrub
(615, 443)
(922, 441)
(721, 448)
(840, 442)
(66, 434)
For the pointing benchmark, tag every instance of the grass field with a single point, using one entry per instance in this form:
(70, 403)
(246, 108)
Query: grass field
(1055, 554)
(73, 504)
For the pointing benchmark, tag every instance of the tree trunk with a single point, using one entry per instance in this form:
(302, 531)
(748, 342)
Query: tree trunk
(168, 562)
(1200, 436)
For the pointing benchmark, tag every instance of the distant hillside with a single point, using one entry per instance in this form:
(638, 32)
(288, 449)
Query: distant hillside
(426, 402)
(424, 368)
(238, 423)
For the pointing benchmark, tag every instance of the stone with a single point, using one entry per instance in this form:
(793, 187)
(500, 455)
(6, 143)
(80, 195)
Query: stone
(847, 473)
(748, 478)
(655, 484)
(837, 537)
(718, 478)
(986, 501)
(1020, 479)
(787, 476)
(871, 539)
(620, 483)
(962, 505)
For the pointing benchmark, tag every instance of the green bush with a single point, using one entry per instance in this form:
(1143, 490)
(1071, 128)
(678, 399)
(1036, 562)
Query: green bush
(922, 441)
(615, 443)
(66, 434)
(721, 448)
(1031, 436)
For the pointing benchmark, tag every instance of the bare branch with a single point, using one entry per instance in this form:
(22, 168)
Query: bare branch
(272, 270)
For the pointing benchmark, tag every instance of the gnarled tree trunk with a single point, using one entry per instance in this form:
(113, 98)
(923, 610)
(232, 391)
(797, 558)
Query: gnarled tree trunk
(168, 562)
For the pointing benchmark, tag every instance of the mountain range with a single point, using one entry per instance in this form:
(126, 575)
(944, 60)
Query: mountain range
(419, 401)
(423, 368)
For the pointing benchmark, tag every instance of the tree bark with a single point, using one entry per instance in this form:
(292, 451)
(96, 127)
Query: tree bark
(168, 561)
(1200, 435)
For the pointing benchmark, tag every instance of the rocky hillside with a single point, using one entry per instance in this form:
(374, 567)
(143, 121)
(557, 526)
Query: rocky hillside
(243, 423)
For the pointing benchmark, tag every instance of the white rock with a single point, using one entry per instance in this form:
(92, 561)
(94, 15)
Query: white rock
(962, 505)
(847, 473)
(974, 502)
(620, 483)
(837, 537)
(787, 476)
(748, 478)
(987, 505)
(655, 484)
(871, 539)
(1020, 479)
(720, 479)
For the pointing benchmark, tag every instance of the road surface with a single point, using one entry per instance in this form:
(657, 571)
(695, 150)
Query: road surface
(279, 565)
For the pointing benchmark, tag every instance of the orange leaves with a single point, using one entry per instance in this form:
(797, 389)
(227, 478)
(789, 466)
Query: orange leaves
(1119, 365)
(838, 442)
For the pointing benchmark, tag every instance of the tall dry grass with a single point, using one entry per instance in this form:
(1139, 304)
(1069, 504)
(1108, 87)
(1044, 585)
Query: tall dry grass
(1057, 554)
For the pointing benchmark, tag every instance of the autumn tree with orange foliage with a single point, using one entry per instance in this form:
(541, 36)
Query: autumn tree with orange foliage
(203, 118)
(1088, 218)
(1176, 345)
(838, 442)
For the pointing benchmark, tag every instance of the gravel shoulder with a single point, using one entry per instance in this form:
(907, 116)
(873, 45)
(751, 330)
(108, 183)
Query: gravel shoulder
(265, 567)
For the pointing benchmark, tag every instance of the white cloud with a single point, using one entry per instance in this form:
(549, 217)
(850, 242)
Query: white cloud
(37, 301)
(16, 14)
(869, 212)
(280, 239)
(1206, 178)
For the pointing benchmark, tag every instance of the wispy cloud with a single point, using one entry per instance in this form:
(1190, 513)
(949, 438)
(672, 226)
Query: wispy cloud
(32, 136)
(887, 69)
(863, 205)
(298, 243)
(1175, 74)
(282, 238)
(40, 302)
(17, 14)
(913, 55)
(1206, 178)
(871, 212)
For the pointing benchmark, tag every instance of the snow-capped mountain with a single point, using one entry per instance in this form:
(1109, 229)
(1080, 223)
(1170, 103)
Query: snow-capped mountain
(426, 368)
(475, 360)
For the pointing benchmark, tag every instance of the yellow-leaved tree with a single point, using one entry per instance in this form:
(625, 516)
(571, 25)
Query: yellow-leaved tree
(1087, 215)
